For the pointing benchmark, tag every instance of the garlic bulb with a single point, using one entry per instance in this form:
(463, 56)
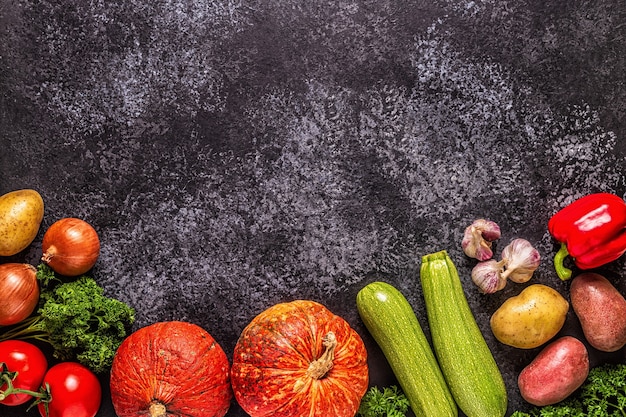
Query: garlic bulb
(488, 276)
(478, 238)
(521, 260)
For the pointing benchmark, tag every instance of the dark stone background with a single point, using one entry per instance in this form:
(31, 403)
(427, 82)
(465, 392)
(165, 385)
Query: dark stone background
(233, 155)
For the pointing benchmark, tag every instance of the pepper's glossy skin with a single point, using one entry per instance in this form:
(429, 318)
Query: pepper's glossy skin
(593, 229)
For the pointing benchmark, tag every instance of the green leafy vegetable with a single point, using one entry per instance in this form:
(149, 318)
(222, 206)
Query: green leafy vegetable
(602, 395)
(390, 402)
(77, 320)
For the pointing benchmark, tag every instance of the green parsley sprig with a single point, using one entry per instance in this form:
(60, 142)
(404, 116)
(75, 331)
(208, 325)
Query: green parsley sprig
(77, 320)
(390, 402)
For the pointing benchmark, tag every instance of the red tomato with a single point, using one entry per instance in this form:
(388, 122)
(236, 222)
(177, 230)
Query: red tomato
(75, 391)
(30, 364)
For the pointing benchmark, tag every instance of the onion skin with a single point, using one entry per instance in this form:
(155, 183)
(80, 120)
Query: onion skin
(20, 292)
(70, 247)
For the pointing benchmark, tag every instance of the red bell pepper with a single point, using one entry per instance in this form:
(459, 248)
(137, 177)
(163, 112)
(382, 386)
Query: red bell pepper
(592, 230)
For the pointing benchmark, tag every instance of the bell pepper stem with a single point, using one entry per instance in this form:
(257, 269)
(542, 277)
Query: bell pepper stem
(563, 272)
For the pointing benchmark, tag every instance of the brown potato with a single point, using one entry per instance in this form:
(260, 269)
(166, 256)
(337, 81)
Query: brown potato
(601, 310)
(21, 213)
(559, 370)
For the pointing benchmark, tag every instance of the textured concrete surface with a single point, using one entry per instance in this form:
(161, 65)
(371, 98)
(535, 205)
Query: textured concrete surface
(235, 154)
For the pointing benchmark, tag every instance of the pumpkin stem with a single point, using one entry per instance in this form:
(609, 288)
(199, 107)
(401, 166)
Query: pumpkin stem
(320, 367)
(157, 410)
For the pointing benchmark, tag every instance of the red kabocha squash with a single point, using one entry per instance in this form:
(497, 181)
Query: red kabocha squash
(299, 359)
(170, 368)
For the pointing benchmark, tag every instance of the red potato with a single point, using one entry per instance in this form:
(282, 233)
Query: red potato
(559, 370)
(601, 310)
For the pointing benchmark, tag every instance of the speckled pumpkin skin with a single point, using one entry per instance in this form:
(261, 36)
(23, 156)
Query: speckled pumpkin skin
(272, 356)
(175, 363)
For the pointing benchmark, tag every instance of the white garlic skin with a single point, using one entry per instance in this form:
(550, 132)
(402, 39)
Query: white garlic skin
(521, 260)
(487, 275)
(489, 229)
(478, 238)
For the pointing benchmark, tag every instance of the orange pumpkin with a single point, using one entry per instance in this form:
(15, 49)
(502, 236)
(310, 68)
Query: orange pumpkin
(171, 368)
(299, 359)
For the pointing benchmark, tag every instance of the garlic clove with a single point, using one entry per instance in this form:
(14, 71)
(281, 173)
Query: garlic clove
(488, 276)
(521, 260)
(478, 238)
(475, 246)
(489, 229)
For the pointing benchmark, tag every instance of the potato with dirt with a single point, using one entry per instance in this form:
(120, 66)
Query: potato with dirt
(531, 318)
(557, 371)
(21, 213)
(601, 309)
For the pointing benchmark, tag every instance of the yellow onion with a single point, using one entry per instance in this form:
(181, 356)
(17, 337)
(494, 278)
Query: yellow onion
(19, 291)
(70, 247)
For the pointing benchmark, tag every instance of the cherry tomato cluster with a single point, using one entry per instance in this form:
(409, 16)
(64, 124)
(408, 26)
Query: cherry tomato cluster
(65, 389)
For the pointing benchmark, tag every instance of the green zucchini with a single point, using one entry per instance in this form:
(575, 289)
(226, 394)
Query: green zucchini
(463, 354)
(392, 323)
